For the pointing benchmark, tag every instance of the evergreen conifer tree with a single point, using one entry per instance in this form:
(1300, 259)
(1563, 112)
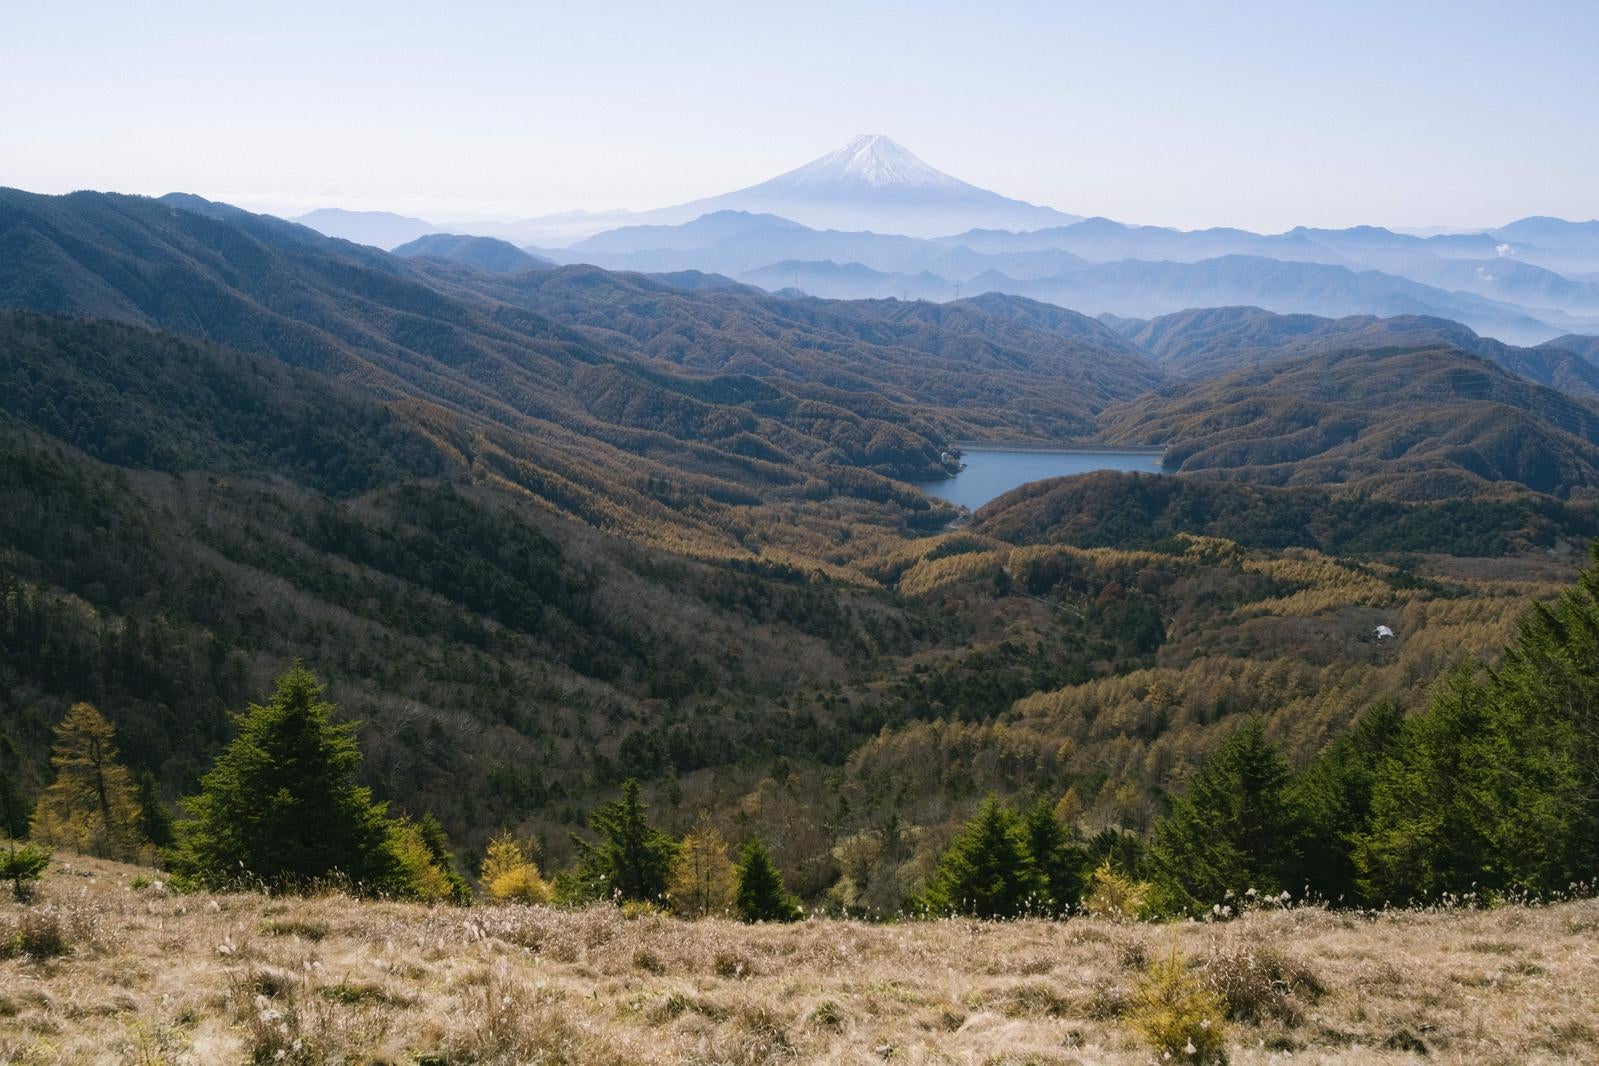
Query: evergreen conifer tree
(988, 871)
(90, 806)
(15, 811)
(1060, 862)
(1541, 750)
(1126, 851)
(155, 824)
(1425, 837)
(1232, 829)
(761, 896)
(22, 865)
(1332, 803)
(631, 860)
(1495, 786)
(280, 806)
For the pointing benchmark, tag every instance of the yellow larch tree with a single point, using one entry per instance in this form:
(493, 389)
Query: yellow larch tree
(703, 881)
(90, 806)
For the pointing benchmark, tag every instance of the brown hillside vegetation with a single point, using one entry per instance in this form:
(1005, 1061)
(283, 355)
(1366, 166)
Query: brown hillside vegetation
(991, 365)
(544, 533)
(1406, 424)
(1208, 342)
(123, 974)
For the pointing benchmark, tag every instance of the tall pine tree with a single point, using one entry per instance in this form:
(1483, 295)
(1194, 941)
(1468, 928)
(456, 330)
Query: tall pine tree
(1232, 829)
(631, 860)
(15, 811)
(1495, 786)
(988, 871)
(761, 896)
(1543, 745)
(154, 822)
(1060, 862)
(281, 808)
(1427, 835)
(1332, 802)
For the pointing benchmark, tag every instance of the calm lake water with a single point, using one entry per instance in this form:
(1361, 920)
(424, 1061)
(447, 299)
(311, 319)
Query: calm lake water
(991, 473)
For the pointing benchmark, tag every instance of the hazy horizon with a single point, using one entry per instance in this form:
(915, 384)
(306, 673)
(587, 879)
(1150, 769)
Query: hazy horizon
(1459, 115)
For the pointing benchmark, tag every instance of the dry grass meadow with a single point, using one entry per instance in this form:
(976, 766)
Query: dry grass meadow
(98, 971)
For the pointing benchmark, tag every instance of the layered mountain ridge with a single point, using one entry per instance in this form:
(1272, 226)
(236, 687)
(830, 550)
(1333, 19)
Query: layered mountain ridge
(872, 220)
(542, 530)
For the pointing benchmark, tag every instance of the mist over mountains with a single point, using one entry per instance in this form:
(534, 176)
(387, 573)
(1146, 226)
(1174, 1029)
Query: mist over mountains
(381, 229)
(870, 183)
(871, 220)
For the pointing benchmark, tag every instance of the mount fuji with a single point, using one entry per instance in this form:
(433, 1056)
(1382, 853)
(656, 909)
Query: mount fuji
(876, 184)
(872, 183)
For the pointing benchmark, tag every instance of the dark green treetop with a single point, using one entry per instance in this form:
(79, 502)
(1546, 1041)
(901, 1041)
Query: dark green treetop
(761, 896)
(631, 860)
(1231, 830)
(281, 808)
(988, 871)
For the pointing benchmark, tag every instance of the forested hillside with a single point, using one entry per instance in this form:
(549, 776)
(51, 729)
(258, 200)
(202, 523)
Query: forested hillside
(1109, 509)
(485, 253)
(1404, 423)
(1212, 341)
(541, 533)
(991, 366)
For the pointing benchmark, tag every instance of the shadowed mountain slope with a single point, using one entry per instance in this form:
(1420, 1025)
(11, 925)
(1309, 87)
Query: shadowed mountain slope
(1577, 344)
(995, 367)
(1420, 424)
(1218, 340)
(184, 519)
(581, 428)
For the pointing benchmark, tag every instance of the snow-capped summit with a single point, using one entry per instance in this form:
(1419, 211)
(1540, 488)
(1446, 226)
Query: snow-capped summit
(873, 183)
(870, 159)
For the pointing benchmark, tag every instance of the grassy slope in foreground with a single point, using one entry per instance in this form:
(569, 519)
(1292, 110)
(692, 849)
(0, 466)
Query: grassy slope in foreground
(151, 977)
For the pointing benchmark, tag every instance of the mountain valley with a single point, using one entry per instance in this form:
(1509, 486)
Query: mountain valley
(524, 543)
(545, 528)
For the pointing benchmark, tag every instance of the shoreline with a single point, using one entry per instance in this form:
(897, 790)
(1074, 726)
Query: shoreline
(965, 446)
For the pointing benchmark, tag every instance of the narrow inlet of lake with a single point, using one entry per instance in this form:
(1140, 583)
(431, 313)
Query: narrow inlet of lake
(992, 472)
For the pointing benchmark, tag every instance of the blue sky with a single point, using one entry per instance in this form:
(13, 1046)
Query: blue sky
(1191, 114)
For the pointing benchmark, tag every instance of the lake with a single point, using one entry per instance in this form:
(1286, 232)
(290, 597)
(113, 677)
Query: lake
(992, 472)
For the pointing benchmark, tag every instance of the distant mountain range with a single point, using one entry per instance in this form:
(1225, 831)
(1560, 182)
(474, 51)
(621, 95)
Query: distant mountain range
(871, 183)
(381, 229)
(874, 183)
(1102, 267)
(871, 220)
(1135, 288)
